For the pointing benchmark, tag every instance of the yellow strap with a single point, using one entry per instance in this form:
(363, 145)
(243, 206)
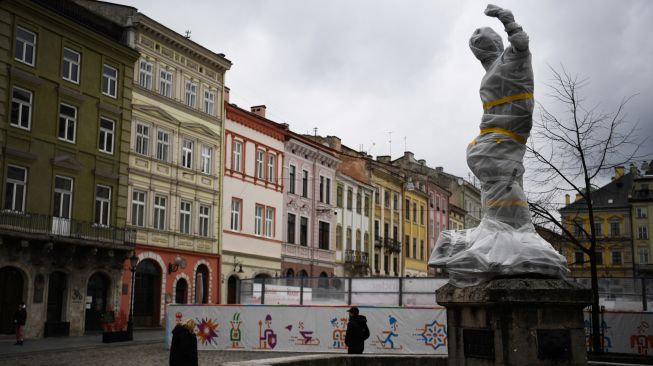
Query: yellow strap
(506, 203)
(503, 131)
(510, 98)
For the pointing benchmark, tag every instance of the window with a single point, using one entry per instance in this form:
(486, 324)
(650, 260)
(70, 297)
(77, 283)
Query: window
(71, 60)
(25, 51)
(191, 93)
(15, 188)
(338, 237)
(269, 222)
(421, 249)
(162, 145)
(386, 199)
(145, 74)
(165, 83)
(272, 165)
(579, 257)
(359, 202)
(407, 241)
(407, 205)
(142, 138)
(643, 256)
(105, 144)
(421, 214)
(395, 201)
(209, 102)
(616, 258)
(291, 179)
(236, 206)
(366, 241)
(578, 227)
(328, 190)
(160, 207)
(185, 210)
(63, 197)
(641, 212)
(322, 189)
(350, 198)
(109, 81)
(598, 229)
(377, 197)
(21, 108)
(258, 220)
(138, 208)
(323, 237)
(415, 248)
(260, 161)
(376, 263)
(305, 183)
(642, 232)
(366, 209)
(205, 216)
(187, 154)
(67, 122)
(236, 153)
(291, 228)
(339, 194)
(303, 231)
(348, 238)
(102, 205)
(614, 228)
(376, 229)
(207, 152)
(358, 240)
(598, 256)
(414, 212)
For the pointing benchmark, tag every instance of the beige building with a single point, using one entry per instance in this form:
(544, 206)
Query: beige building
(641, 200)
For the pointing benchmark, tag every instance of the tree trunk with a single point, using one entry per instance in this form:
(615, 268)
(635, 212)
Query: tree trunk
(596, 325)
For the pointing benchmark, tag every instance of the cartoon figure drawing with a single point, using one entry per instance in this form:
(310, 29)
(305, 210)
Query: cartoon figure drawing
(235, 334)
(207, 330)
(339, 332)
(305, 337)
(433, 335)
(267, 338)
(391, 332)
(641, 340)
(606, 342)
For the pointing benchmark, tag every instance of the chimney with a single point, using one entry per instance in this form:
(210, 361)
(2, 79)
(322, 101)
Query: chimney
(567, 200)
(409, 155)
(634, 171)
(439, 169)
(578, 196)
(618, 172)
(334, 142)
(383, 158)
(421, 162)
(226, 94)
(259, 110)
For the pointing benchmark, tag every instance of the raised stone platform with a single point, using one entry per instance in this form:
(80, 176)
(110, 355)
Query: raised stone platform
(516, 321)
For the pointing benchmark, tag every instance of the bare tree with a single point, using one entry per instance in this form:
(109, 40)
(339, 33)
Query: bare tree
(571, 147)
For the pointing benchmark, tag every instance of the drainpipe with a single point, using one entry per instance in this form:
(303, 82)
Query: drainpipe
(313, 216)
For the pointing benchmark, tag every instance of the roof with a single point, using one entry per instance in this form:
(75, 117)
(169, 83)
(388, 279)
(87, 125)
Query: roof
(610, 196)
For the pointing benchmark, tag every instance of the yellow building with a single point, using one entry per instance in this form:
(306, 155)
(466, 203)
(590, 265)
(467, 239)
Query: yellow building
(612, 224)
(415, 254)
(641, 207)
(387, 184)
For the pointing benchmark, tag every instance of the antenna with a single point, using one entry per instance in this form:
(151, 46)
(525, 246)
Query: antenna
(187, 34)
(315, 131)
(390, 141)
(405, 144)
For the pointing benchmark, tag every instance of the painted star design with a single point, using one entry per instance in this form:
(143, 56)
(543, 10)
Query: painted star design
(207, 331)
(435, 335)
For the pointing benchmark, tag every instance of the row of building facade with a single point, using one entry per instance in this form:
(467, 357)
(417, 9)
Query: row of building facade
(119, 144)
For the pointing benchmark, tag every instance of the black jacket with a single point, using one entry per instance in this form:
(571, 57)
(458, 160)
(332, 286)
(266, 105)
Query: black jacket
(20, 316)
(183, 349)
(357, 333)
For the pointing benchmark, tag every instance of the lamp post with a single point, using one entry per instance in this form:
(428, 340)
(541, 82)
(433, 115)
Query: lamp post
(133, 261)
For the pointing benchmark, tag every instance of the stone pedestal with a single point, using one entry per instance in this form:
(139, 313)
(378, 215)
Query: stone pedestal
(516, 321)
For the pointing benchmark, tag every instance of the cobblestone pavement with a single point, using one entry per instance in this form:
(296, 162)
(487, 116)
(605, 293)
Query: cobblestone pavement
(125, 355)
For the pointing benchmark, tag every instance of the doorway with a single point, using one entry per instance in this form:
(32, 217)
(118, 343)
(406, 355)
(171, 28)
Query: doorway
(232, 290)
(147, 294)
(97, 289)
(11, 288)
(181, 291)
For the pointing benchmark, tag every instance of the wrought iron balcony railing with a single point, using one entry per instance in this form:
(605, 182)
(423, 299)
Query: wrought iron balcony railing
(356, 257)
(378, 242)
(392, 245)
(62, 229)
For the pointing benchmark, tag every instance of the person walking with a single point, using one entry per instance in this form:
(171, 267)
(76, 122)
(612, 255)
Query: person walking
(183, 349)
(357, 332)
(20, 317)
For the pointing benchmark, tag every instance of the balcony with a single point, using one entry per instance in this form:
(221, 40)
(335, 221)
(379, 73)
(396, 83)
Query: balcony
(644, 270)
(392, 245)
(356, 258)
(378, 242)
(44, 227)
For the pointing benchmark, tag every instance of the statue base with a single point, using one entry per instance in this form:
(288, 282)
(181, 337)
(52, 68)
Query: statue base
(516, 321)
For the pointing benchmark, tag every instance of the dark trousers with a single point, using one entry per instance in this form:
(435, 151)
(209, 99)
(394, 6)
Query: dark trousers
(355, 350)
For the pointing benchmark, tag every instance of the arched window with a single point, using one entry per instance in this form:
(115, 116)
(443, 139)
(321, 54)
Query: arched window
(339, 237)
(348, 238)
(366, 241)
(202, 285)
(358, 240)
(303, 274)
(181, 291)
(290, 273)
(323, 281)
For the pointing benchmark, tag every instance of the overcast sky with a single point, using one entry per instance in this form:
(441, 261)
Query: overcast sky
(361, 69)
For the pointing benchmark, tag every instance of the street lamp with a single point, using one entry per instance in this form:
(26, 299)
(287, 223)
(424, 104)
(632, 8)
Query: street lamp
(133, 261)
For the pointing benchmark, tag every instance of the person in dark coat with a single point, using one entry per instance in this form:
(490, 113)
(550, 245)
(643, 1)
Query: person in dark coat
(357, 332)
(20, 317)
(183, 349)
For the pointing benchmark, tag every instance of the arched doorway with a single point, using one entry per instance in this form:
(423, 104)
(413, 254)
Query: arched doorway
(323, 281)
(55, 324)
(232, 289)
(97, 289)
(181, 291)
(202, 285)
(260, 278)
(147, 294)
(290, 277)
(11, 290)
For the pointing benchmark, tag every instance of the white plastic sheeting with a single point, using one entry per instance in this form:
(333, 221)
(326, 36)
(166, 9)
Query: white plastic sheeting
(505, 243)
(393, 330)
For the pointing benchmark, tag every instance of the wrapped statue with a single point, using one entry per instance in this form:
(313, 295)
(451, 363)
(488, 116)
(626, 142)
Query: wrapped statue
(505, 243)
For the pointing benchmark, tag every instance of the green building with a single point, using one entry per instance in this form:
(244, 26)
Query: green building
(66, 82)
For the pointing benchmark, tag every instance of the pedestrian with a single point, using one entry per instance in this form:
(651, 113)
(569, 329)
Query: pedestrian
(183, 349)
(357, 332)
(20, 317)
